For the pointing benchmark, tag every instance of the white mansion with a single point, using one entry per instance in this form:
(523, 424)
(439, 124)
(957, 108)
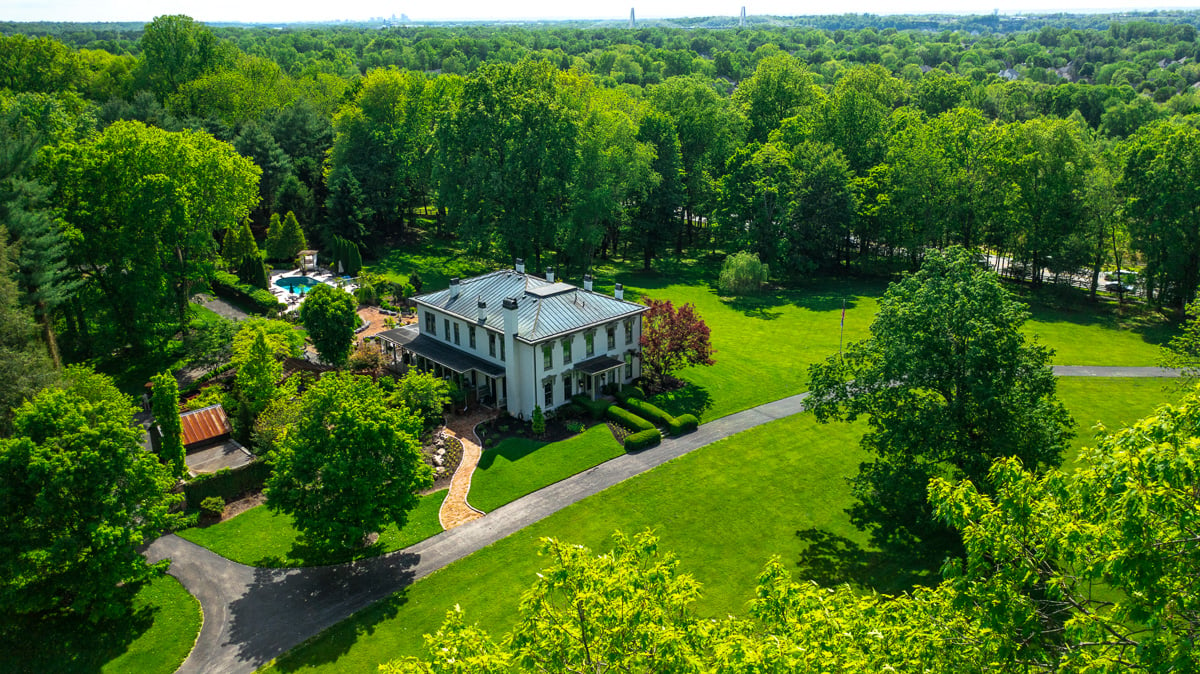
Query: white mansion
(519, 341)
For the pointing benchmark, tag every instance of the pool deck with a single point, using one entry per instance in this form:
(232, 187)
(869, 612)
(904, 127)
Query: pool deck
(293, 300)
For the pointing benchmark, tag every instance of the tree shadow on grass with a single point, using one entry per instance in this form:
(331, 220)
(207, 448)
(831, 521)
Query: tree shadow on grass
(511, 450)
(1053, 304)
(281, 608)
(70, 643)
(690, 399)
(304, 553)
(830, 559)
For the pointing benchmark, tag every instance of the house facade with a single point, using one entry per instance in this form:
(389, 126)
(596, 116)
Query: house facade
(518, 341)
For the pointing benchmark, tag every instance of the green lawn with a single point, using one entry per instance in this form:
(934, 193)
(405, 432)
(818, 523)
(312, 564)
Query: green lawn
(155, 637)
(435, 260)
(1096, 334)
(1114, 401)
(259, 537)
(724, 509)
(518, 466)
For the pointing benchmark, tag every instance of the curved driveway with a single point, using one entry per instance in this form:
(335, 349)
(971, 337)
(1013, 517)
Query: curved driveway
(252, 615)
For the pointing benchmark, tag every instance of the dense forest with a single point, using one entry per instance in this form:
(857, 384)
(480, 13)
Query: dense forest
(1065, 145)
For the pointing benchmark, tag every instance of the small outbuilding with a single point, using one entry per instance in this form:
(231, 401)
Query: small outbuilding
(208, 442)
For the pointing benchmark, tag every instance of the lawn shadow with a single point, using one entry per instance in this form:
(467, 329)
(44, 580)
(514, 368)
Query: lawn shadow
(1056, 304)
(305, 554)
(689, 399)
(71, 643)
(511, 449)
(283, 607)
(830, 559)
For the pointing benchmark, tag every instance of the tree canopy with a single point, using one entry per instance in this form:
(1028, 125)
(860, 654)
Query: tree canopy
(330, 316)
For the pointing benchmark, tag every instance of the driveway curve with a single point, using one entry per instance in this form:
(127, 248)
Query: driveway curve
(252, 615)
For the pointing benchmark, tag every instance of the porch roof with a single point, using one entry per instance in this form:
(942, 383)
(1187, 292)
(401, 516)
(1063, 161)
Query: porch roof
(599, 364)
(410, 337)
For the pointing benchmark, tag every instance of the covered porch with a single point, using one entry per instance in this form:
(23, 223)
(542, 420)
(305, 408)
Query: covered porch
(593, 373)
(483, 381)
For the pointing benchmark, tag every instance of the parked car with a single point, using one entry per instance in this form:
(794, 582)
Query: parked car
(1118, 287)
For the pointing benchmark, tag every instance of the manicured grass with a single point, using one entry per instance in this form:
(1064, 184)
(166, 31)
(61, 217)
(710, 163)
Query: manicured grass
(435, 260)
(518, 466)
(765, 344)
(1115, 402)
(259, 537)
(724, 509)
(154, 637)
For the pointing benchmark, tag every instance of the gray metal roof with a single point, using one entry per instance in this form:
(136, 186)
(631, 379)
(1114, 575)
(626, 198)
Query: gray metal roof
(440, 352)
(544, 309)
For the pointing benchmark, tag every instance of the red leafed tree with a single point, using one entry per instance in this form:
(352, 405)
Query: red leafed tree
(673, 338)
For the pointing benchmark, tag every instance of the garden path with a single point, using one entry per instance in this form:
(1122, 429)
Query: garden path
(455, 509)
(253, 615)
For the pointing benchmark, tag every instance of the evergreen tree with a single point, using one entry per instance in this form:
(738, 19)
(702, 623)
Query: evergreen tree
(346, 210)
(164, 403)
(274, 231)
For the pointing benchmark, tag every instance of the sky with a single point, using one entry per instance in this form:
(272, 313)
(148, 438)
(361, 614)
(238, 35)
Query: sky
(270, 11)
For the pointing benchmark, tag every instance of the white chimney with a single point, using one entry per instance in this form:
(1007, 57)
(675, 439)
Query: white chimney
(520, 265)
(510, 316)
(454, 286)
(482, 311)
(587, 282)
(550, 274)
(619, 292)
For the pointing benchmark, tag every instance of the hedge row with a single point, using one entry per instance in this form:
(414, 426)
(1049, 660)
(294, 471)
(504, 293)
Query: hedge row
(595, 408)
(628, 420)
(227, 483)
(642, 439)
(228, 285)
(684, 423)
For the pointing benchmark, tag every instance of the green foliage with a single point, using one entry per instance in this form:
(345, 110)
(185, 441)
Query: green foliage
(627, 419)
(595, 408)
(330, 315)
(649, 412)
(213, 506)
(537, 422)
(280, 414)
(285, 240)
(949, 385)
(229, 286)
(630, 391)
(79, 496)
(742, 274)
(351, 466)
(258, 375)
(24, 365)
(684, 423)
(636, 442)
(283, 339)
(422, 394)
(164, 403)
(1183, 351)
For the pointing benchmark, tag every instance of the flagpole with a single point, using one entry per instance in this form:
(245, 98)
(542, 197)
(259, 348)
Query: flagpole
(842, 331)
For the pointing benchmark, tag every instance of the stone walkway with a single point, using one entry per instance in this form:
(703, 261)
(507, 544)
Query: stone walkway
(455, 509)
(252, 615)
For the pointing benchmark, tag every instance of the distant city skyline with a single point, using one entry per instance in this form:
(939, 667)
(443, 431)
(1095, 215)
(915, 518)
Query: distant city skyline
(277, 11)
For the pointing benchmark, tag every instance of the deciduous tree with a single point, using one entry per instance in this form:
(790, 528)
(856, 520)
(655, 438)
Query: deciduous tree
(78, 497)
(423, 394)
(949, 384)
(673, 338)
(351, 466)
(257, 379)
(330, 315)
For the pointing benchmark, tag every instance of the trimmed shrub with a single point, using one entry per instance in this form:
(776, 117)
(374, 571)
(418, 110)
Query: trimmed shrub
(594, 407)
(213, 506)
(226, 483)
(642, 439)
(684, 423)
(631, 391)
(649, 412)
(628, 420)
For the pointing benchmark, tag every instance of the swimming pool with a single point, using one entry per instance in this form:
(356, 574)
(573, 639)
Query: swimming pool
(297, 284)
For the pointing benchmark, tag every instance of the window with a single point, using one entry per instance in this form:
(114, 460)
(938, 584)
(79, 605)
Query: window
(590, 340)
(446, 322)
(629, 366)
(430, 323)
(548, 393)
(501, 349)
(566, 387)
(567, 352)
(457, 342)
(471, 336)
(547, 356)
(628, 333)
(492, 344)
(612, 338)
